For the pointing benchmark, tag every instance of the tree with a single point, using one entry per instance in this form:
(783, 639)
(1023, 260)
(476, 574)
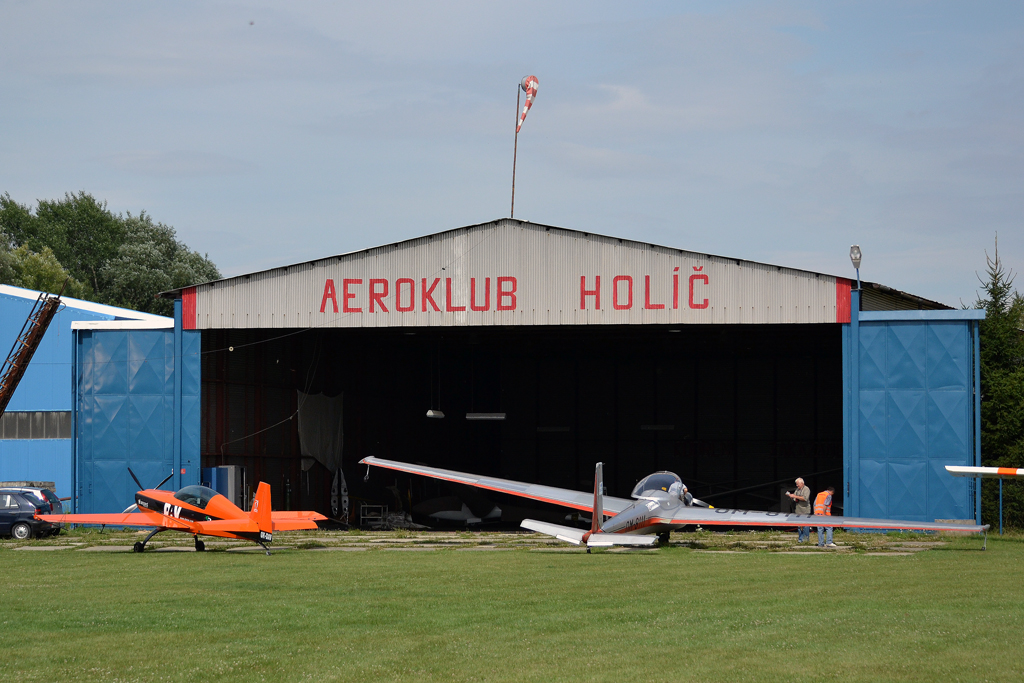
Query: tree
(1002, 389)
(83, 234)
(151, 260)
(119, 260)
(23, 267)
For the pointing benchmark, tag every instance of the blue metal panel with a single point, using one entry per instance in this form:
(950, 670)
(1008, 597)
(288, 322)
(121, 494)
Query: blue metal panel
(38, 460)
(906, 479)
(126, 415)
(874, 489)
(913, 413)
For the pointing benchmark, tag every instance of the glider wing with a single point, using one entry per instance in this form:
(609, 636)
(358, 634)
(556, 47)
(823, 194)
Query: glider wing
(727, 517)
(578, 500)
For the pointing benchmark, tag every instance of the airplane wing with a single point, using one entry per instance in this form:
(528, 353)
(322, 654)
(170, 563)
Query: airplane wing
(579, 500)
(986, 472)
(140, 518)
(727, 517)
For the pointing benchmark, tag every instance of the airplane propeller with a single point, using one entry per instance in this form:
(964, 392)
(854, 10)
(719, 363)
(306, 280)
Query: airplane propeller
(143, 488)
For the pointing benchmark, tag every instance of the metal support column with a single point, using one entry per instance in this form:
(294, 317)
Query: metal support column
(177, 396)
(853, 504)
(976, 333)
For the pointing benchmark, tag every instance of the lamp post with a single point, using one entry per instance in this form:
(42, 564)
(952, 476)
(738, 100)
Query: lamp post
(855, 260)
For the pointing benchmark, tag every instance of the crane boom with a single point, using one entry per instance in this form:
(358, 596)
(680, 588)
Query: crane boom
(26, 343)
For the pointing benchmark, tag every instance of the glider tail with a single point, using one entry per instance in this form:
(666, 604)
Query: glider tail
(597, 518)
(261, 512)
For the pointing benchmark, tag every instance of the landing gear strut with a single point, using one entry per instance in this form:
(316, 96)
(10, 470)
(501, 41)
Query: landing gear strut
(264, 547)
(141, 545)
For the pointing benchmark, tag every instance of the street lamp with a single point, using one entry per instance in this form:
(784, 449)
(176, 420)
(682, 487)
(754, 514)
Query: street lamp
(855, 260)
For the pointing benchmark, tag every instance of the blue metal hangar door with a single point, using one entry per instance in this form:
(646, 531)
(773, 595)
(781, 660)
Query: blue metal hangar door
(911, 407)
(136, 405)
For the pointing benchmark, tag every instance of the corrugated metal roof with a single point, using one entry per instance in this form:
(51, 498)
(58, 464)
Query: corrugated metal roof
(510, 272)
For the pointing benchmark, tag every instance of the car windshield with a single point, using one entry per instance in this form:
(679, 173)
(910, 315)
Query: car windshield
(198, 496)
(659, 481)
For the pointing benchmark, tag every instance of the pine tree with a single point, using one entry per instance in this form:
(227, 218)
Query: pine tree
(1002, 390)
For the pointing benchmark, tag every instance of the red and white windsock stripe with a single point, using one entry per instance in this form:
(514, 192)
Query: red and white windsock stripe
(986, 472)
(529, 86)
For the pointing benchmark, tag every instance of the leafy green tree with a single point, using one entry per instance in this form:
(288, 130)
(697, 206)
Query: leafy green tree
(119, 260)
(1002, 390)
(151, 260)
(82, 232)
(42, 271)
(17, 223)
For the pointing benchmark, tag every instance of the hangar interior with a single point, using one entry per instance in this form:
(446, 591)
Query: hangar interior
(738, 411)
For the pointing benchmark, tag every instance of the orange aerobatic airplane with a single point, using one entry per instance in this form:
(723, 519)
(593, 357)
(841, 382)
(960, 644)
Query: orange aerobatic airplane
(200, 510)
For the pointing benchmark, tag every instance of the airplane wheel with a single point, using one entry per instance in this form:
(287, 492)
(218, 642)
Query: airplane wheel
(138, 547)
(663, 537)
(200, 546)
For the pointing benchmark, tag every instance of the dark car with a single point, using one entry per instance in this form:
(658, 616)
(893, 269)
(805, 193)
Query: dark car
(42, 495)
(43, 498)
(17, 516)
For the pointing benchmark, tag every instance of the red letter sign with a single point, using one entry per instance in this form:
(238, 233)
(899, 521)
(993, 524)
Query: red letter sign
(346, 295)
(504, 293)
(329, 294)
(647, 295)
(448, 298)
(698, 278)
(428, 294)
(472, 294)
(398, 294)
(378, 297)
(615, 292)
(595, 292)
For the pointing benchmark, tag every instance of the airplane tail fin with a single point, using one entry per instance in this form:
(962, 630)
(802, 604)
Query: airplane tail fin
(261, 511)
(597, 519)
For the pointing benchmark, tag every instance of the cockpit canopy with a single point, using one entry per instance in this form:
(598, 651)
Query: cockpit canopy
(198, 496)
(659, 481)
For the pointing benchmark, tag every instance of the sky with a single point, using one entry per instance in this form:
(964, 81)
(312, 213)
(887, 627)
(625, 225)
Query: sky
(275, 133)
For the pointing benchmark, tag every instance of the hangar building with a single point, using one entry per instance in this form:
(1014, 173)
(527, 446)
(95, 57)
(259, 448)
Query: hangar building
(548, 349)
(36, 429)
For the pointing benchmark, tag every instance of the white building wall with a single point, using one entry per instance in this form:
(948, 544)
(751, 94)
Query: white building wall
(515, 273)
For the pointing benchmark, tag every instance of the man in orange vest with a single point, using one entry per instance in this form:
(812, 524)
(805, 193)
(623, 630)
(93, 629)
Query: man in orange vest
(823, 506)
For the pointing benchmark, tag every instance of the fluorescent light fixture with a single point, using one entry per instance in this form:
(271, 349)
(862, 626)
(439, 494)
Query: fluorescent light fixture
(485, 416)
(435, 414)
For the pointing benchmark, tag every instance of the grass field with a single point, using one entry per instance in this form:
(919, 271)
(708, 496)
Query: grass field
(515, 612)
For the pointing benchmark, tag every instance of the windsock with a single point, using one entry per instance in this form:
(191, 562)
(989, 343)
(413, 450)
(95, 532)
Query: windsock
(529, 86)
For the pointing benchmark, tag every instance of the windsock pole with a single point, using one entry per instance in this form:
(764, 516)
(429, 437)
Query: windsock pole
(515, 150)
